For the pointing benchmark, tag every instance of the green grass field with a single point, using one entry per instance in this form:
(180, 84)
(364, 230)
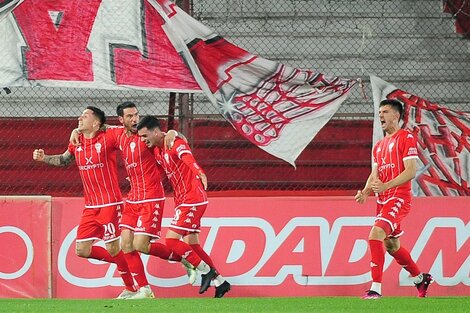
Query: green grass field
(190, 305)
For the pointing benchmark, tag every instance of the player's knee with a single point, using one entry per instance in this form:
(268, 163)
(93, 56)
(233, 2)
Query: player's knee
(141, 247)
(82, 251)
(127, 246)
(113, 248)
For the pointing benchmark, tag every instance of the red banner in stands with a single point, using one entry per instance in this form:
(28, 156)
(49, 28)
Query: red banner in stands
(25, 268)
(265, 246)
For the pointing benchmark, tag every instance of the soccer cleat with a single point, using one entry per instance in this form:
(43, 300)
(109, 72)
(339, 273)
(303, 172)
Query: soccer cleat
(190, 271)
(424, 284)
(126, 294)
(221, 290)
(371, 295)
(206, 280)
(143, 293)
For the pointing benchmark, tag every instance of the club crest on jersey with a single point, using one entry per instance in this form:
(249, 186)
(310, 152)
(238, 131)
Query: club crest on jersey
(98, 147)
(166, 157)
(132, 146)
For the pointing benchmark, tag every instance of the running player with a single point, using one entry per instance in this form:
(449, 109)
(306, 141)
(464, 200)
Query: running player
(392, 171)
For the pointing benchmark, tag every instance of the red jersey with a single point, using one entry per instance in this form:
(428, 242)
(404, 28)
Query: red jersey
(389, 154)
(144, 175)
(96, 161)
(187, 186)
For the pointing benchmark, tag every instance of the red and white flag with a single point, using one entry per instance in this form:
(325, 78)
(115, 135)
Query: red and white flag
(278, 108)
(6, 6)
(443, 141)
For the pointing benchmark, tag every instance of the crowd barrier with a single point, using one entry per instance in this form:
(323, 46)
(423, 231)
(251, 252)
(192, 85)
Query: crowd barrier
(265, 246)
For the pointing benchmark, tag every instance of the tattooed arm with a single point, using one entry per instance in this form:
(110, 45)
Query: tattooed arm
(63, 159)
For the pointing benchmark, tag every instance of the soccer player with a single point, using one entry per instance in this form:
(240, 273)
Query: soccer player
(97, 166)
(393, 168)
(189, 185)
(141, 217)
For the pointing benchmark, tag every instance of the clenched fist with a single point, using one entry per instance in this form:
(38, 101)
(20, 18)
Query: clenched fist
(38, 155)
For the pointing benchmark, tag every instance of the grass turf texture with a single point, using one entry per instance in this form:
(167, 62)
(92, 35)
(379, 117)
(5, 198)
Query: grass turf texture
(193, 305)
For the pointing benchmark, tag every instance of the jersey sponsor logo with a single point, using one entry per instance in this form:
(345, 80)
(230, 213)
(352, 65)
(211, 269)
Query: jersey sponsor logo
(91, 167)
(386, 167)
(412, 151)
(131, 166)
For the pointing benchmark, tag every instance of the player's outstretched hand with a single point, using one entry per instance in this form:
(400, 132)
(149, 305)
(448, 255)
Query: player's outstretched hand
(38, 155)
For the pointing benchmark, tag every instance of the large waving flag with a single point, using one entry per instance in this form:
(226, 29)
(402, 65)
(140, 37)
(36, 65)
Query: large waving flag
(118, 44)
(278, 108)
(6, 6)
(443, 141)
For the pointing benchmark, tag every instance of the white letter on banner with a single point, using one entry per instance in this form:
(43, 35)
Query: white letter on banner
(462, 232)
(29, 252)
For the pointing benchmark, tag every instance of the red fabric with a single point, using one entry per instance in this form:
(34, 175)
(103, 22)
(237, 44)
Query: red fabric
(187, 186)
(96, 162)
(183, 249)
(100, 253)
(377, 259)
(461, 12)
(203, 255)
(124, 271)
(142, 171)
(403, 257)
(389, 154)
(160, 250)
(136, 267)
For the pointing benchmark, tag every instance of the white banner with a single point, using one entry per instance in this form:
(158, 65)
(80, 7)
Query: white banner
(443, 141)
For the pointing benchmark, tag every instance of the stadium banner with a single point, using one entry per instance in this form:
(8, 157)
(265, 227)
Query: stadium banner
(118, 44)
(25, 258)
(6, 6)
(278, 108)
(443, 141)
(105, 44)
(284, 246)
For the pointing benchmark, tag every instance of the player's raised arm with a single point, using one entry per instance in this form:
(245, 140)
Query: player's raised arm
(63, 159)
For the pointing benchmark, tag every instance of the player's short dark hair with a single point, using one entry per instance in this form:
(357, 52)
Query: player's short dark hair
(98, 113)
(394, 104)
(149, 122)
(125, 105)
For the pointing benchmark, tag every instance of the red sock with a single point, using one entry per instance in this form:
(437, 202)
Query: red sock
(377, 259)
(136, 267)
(403, 257)
(203, 255)
(100, 253)
(183, 249)
(160, 250)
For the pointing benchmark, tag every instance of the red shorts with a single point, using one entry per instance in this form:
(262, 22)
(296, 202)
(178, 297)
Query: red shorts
(187, 218)
(100, 223)
(390, 214)
(144, 218)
